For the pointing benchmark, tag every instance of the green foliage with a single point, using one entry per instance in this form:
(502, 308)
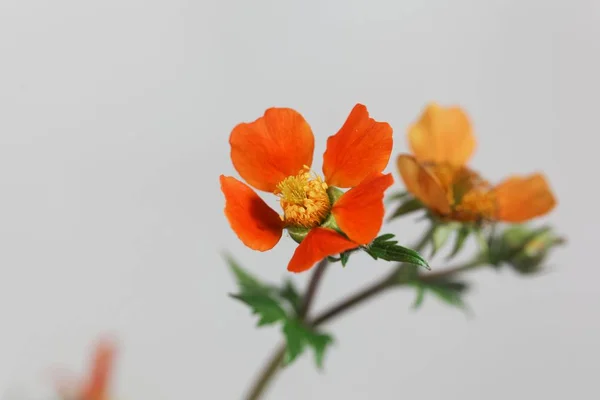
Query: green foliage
(440, 235)
(383, 247)
(264, 305)
(299, 337)
(291, 294)
(245, 281)
(280, 305)
(343, 258)
(408, 204)
(523, 248)
(460, 239)
(448, 291)
(397, 196)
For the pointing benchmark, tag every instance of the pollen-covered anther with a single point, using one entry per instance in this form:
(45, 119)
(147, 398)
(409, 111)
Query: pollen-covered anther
(304, 199)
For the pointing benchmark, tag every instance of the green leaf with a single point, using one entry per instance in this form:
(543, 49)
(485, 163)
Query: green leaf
(406, 207)
(264, 305)
(450, 292)
(298, 337)
(440, 236)
(397, 196)
(386, 249)
(385, 238)
(344, 257)
(461, 238)
(420, 296)
(295, 342)
(291, 294)
(245, 281)
(319, 343)
(407, 273)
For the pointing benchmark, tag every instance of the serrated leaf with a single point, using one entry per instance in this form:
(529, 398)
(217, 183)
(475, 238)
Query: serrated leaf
(266, 307)
(450, 292)
(295, 341)
(406, 207)
(440, 236)
(245, 281)
(291, 294)
(319, 343)
(298, 337)
(461, 238)
(390, 251)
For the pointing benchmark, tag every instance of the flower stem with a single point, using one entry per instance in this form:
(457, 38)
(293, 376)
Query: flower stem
(380, 287)
(274, 363)
(389, 281)
(267, 374)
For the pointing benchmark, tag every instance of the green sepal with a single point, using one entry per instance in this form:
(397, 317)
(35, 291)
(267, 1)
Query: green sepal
(440, 235)
(298, 233)
(460, 240)
(334, 194)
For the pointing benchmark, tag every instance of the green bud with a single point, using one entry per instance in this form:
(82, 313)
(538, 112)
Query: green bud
(530, 258)
(524, 248)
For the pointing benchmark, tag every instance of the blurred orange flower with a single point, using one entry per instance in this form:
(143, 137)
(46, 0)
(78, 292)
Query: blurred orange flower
(274, 154)
(442, 142)
(96, 386)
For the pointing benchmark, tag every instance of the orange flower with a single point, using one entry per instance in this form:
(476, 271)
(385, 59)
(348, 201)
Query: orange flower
(274, 154)
(442, 143)
(96, 386)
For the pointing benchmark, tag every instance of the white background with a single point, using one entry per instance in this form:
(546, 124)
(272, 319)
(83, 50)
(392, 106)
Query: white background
(114, 121)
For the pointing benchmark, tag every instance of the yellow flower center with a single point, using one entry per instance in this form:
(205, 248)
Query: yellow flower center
(304, 199)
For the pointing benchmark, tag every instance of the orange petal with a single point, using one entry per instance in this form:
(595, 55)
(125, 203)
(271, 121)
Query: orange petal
(423, 185)
(359, 212)
(522, 198)
(256, 224)
(97, 386)
(361, 147)
(442, 135)
(318, 244)
(273, 147)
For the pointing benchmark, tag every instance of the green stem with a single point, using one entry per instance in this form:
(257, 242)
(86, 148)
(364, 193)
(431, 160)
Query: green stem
(274, 363)
(267, 374)
(382, 286)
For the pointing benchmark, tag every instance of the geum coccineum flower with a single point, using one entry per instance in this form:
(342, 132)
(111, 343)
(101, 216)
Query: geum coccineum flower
(96, 386)
(442, 142)
(274, 154)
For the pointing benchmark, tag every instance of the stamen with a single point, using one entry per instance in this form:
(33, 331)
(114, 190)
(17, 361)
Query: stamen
(304, 199)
